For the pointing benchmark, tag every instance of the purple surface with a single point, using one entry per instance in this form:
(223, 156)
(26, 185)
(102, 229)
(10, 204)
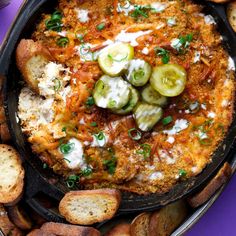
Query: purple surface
(220, 220)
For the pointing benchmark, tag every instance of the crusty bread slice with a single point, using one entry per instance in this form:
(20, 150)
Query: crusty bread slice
(90, 206)
(222, 176)
(122, 229)
(31, 59)
(139, 226)
(167, 219)
(7, 227)
(11, 175)
(231, 14)
(19, 217)
(72, 230)
(39, 232)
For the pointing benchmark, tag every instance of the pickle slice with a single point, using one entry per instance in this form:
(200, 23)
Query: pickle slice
(114, 59)
(134, 97)
(139, 72)
(111, 92)
(147, 115)
(169, 80)
(151, 96)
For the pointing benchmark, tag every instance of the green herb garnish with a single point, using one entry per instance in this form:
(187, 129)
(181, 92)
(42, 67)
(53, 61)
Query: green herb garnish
(63, 129)
(110, 165)
(62, 42)
(182, 173)
(140, 11)
(145, 150)
(57, 84)
(67, 148)
(100, 136)
(163, 53)
(134, 134)
(101, 26)
(54, 23)
(72, 180)
(167, 120)
(90, 101)
(93, 124)
(45, 165)
(86, 172)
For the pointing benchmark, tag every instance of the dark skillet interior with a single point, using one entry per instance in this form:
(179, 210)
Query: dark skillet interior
(41, 180)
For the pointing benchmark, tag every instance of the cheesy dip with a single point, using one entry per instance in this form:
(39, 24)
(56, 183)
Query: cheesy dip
(138, 96)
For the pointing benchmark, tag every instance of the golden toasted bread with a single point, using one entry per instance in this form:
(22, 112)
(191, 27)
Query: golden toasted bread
(90, 206)
(222, 176)
(11, 175)
(7, 227)
(72, 230)
(119, 230)
(31, 59)
(139, 226)
(219, 1)
(231, 14)
(164, 221)
(39, 232)
(19, 217)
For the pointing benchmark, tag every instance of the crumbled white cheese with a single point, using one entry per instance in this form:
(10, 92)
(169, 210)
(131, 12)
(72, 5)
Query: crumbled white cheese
(99, 142)
(85, 53)
(65, 92)
(86, 143)
(179, 125)
(211, 114)
(74, 159)
(197, 57)
(209, 20)
(194, 169)
(156, 175)
(145, 51)
(165, 155)
(62, 33)
(158, 6)
(82, 15)
(131, 38)
(203, 106)
(187, 111)
(176, 44)
(82, 121)
(126, 8)
(231, 64)
(170, 139)
(171, 21)
(201, 135)
(224, 103)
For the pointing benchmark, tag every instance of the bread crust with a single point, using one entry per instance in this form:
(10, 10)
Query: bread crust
(231, 14)
(122, 229)
(66, 229)
(108, 196)
(13, 194)
(26, 50)
(39, 232)
(221, 177)
(139, 226)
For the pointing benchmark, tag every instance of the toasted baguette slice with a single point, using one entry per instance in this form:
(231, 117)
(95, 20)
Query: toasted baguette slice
(222, 176)
(72, 230)
(11, 175)
(119, 230)
(231, 14)
(139, 226)
(7, 227)
(31, 59)
(90, 206)
(39, 232)
(219, 1)
(19, 217)
(167, 219)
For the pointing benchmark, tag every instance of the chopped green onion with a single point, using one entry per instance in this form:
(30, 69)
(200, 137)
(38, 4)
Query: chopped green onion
(86, 172)
(140, 11)
(93, 124)
(101, 26)
(110, 165)
(164, 53)
(63, 129)
(67, 160)
(182, 173)
(56, 16)
(205, 141)
(71, 181)
(100, 136)
(45, 165)
(57, 84)
(67, 148)
(145, 150)
(54, 23)
(134, 134)
(90, 101)
(62, 42)
(85, 49)
(116, 59)
(167, 120)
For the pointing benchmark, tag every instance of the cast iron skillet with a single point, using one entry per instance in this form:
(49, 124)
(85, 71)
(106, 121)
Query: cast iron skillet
(39, 180)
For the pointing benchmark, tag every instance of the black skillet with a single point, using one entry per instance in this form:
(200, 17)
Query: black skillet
(41, 181)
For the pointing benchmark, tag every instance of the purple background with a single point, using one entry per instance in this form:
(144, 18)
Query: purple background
(220, 220)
